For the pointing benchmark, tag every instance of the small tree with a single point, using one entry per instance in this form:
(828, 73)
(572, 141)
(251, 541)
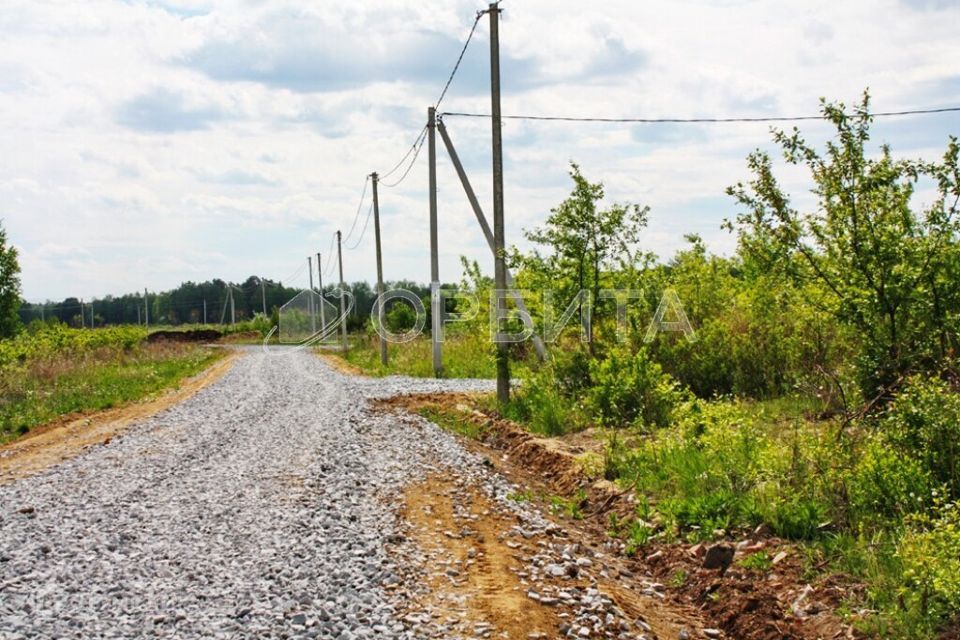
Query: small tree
(583, 241)
(9, 288)
(883, 267)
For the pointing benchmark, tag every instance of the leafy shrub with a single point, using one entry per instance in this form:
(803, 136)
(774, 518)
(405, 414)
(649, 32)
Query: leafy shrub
(885, 483)
(923, 422)
(632, 389)
(930, 553)
(540, 404)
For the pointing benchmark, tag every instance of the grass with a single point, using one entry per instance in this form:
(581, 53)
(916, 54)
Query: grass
(451, 421)
(464, 356)
(43, 389)
(726, 466)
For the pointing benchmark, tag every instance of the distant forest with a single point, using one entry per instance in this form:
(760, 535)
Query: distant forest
(184, 305)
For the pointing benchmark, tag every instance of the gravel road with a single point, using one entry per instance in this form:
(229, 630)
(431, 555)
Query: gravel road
(255, 508)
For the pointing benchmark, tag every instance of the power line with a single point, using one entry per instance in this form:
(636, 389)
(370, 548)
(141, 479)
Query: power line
(456, 66)
(406, 155)
(417, 146)
(364, 230)
(363, 195)
(333, 238)
(879, 114)
(294, 275)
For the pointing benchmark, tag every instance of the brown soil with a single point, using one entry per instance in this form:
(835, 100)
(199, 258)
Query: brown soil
(454, 522)
(745, 604)
(48, 445)
(493, 593)
(190, 335)
(341, 365)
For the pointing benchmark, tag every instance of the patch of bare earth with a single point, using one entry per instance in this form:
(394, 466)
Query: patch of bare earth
(48, 445)
(778, 602)
(340, 364)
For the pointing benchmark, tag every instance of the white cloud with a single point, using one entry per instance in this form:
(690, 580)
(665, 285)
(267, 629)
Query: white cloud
(149, 142)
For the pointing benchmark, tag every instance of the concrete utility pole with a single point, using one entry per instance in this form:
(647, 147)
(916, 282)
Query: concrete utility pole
(313, 313)
(233, 309)
(146, 308)
(204, 311)
(323, 313)
(436, 311)
(263, 296)
(343, 300)
(376, 232)
(485, 227)
(500, 267)
(83, 316)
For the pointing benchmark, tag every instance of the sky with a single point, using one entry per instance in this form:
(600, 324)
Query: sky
(150, 142)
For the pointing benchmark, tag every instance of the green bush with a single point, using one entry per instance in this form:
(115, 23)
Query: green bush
(541, 405)
(930, 553)
(923, 422)
(631, 389)
(886, 484)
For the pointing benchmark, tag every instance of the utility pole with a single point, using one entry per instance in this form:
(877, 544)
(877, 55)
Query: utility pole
(343, 301)
(233, 309)
(323, 313)
(146, 308)
(435, 299)
(500, 267)
(376, 233)
(263, 296)
(313, 313)
(83, 317)
(204, 311)
(485, 227)
(91, 315)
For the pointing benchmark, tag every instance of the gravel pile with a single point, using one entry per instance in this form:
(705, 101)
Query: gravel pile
(255, 508)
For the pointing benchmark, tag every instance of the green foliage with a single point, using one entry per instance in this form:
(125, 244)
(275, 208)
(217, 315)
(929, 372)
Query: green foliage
(400, 317)
(53, 370)
(454, 422)
(569, 506)
(465, 355)
(923, 424)
(584, 243)
(930, 553)
(9, 287)
(888, 483)
(882, 267)
(631, 389)
(541, 404)
(54, 340)
(760, 562)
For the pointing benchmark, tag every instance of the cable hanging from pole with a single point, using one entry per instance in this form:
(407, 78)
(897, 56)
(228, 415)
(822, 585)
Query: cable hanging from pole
(364, 230)
(326, 271)
(456, 66)
(879, 114)
(412, 148)
(418, 145)
(356, 217)
(415, 147)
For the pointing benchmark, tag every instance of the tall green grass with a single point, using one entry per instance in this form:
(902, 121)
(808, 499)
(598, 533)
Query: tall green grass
(56, 371)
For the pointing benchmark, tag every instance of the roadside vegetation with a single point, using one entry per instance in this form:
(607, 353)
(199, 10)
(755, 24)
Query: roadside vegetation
(50, 370)
(820, 398)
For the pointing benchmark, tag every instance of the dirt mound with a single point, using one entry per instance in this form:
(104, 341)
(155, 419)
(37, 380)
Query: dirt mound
(190, 335)
(750, 604)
